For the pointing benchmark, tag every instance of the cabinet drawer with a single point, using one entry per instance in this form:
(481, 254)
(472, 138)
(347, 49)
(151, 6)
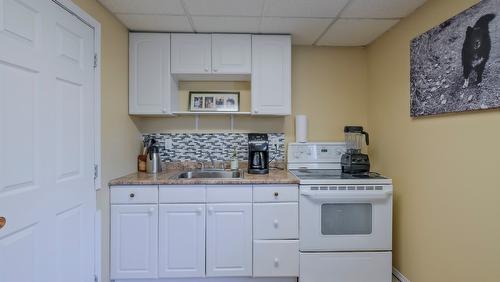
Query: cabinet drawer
(275, 193)
(229, 193)
(182, 194)
(134, 194)
(276, 221)
(276, 258)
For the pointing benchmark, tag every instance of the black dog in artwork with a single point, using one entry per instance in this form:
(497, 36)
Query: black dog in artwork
(476, 48)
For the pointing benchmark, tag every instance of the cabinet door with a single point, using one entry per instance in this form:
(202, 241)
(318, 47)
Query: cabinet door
(134, 241)
(182, 240)
(229, 240)
(150, 83)
(191, 53)
(232, 53)
(271, 74)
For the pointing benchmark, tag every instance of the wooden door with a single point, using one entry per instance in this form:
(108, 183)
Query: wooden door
(232, 53)
(182, 240)
(47, 191)
(134, 241)
(271, 74)
(229, 239)
(191, 53)
(150, 81)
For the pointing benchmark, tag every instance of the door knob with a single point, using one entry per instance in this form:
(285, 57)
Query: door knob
(3, 221)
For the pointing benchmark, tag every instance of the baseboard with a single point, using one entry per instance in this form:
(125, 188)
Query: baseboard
(399, 275)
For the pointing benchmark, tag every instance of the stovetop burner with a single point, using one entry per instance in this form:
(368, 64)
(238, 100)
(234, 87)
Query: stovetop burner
(326, 174)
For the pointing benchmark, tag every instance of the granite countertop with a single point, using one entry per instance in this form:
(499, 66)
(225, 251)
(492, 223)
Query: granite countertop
(275, 176)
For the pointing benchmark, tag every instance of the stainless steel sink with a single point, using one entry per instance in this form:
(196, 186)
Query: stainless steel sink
(210, 174)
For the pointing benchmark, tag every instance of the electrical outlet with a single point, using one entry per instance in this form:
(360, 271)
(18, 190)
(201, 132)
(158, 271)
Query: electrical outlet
(274, 141)
(168, 144)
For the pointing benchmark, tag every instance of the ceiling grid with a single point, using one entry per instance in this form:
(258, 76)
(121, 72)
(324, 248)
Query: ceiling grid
(311, 22)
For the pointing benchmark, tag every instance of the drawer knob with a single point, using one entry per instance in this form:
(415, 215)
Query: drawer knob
(276, 194)
(276, 222)
(151, 210)
(132, 195)
(276, 262)
(199, 210)
(3, 221)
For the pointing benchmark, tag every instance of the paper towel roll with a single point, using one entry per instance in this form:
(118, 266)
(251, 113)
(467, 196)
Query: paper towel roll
(301, 128)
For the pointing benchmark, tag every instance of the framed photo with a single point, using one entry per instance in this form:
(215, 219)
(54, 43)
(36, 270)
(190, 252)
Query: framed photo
(214, 101)
(455, 65)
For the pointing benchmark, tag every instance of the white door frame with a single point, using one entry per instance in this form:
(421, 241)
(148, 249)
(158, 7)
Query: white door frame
(72, 8)
(96, 26)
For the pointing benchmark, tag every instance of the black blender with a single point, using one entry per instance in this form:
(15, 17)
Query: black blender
(354, 161)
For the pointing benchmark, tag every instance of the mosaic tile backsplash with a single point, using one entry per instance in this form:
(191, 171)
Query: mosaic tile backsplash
(180, 147)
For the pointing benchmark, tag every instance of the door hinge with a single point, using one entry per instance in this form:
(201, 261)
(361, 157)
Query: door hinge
(95, 61)
(96, 171)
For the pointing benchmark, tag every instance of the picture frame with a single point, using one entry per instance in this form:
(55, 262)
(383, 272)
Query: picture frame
(208, 101)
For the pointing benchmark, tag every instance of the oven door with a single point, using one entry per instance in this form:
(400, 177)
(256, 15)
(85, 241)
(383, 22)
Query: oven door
(346, 218)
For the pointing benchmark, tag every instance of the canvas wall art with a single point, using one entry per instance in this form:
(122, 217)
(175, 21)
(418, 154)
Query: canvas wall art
(455, 66)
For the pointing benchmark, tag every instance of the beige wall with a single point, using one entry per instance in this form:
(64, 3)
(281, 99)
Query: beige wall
(120, 137)
(445, 168)
(328, 85)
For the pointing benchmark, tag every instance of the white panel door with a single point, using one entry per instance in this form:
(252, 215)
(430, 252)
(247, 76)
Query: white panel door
(232, 53)
(149, 57)
(47, 191)
(182, 240)
(271, 74)
(229, 240)
(134, 241)
(191, 53)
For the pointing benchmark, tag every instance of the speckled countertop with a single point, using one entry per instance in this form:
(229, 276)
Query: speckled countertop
(275, 176)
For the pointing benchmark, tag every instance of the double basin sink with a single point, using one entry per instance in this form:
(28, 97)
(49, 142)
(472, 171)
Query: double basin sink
(217, 174)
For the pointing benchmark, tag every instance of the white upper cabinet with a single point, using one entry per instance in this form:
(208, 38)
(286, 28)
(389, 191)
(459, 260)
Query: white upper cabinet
(191, 53)
(232, 53)
(150, 80)
(271, 74)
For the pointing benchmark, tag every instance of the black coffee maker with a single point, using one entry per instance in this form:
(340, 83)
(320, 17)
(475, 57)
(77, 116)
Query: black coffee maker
(258, 153)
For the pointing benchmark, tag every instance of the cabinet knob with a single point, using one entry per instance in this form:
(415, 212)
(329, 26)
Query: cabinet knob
(255, 112)
(132, 195)
(210, 210)
(151, 210)
(206, 69)
(3, 221)
(199, 210)
(276, 223)
(164, 110)
(276, 262)
(215, 70)
(276, 194)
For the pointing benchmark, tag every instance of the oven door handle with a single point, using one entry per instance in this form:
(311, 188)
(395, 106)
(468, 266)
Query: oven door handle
(347, 195)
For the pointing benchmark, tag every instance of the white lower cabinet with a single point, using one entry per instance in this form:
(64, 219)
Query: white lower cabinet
(134, 243)
(229, 239)
(276, 258)
(182, 241)
(201, 233)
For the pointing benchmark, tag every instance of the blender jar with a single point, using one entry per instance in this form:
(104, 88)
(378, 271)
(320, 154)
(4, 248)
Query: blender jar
(354, 136)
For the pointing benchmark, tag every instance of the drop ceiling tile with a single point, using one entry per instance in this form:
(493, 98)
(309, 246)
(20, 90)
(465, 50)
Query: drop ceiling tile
(355, 32)
(251, 8)
(155, 22)
(304, 8)
(168, 7)
(381, 8)
(226, 24)
(304, 30)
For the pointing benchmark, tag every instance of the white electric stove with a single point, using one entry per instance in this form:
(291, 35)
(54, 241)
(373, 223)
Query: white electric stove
(345, 220)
